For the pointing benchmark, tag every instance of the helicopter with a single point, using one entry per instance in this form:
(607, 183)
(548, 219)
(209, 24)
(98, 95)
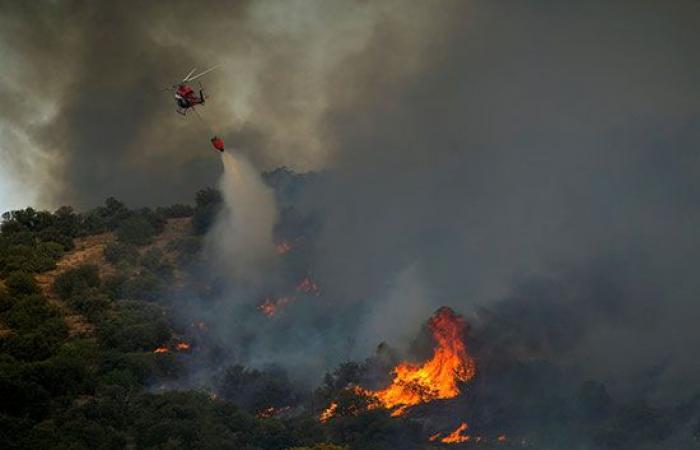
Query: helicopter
(185, 96)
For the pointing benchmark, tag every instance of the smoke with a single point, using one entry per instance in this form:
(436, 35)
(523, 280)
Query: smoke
(241, 238)
(535, 159)
(83, 84)
(396, 315)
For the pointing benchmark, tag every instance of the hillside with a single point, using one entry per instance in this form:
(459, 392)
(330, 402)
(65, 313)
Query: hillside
(116, 331)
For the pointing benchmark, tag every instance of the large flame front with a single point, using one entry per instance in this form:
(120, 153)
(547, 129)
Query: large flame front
(438, 378)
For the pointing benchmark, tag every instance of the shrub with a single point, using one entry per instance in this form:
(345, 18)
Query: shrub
(6, 300)
(45, 256)
(75, 281)
(208, 205)
(29, 313)
(176, 211)
(136, 230)
(187, 249)
(154, 261)
(117, 252)
(145, 286)
(137, 326)
(18, 258)
(52, 234)
(91, 303)
(21, 284)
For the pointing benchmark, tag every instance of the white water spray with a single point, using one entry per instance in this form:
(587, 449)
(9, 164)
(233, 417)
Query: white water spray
(241, 239)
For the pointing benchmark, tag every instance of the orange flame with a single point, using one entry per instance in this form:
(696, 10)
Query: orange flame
(182, 346)
(162, 349)
(437, 378)
(456, 436)
(329, 412)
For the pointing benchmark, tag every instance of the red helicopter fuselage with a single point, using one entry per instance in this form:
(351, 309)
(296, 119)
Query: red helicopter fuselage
(186, 97)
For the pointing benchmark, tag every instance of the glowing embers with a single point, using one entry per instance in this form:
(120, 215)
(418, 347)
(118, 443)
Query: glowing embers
(308, 286)
(271, 306)
(180, 346)
(459, 435)
(437, 378)
(271, 412)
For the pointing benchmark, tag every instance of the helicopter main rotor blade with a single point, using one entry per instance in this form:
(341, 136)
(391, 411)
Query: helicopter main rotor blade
(190, 78)
(189, 75)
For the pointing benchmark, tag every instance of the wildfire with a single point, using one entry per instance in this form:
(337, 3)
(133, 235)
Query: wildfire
(456, 436)
(459, 436)
(435, 379)
(283, 247)
(271, 412)
(439, 377)
(308, 286)
(329, 412)
(181, 346)
(270, 306)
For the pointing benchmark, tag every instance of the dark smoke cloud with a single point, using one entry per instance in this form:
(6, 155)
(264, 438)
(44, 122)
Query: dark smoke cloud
(99, 68)
(540, 152)
(540, 137)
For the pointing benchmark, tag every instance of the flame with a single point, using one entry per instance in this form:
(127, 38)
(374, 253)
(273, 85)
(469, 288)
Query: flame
(308, 286)
(270, 306)
(283, 247)
(502, 438)
(456, 436)
(439, 377)
(434, 437)
(271, 412)
(329, 412)
(181, 346)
